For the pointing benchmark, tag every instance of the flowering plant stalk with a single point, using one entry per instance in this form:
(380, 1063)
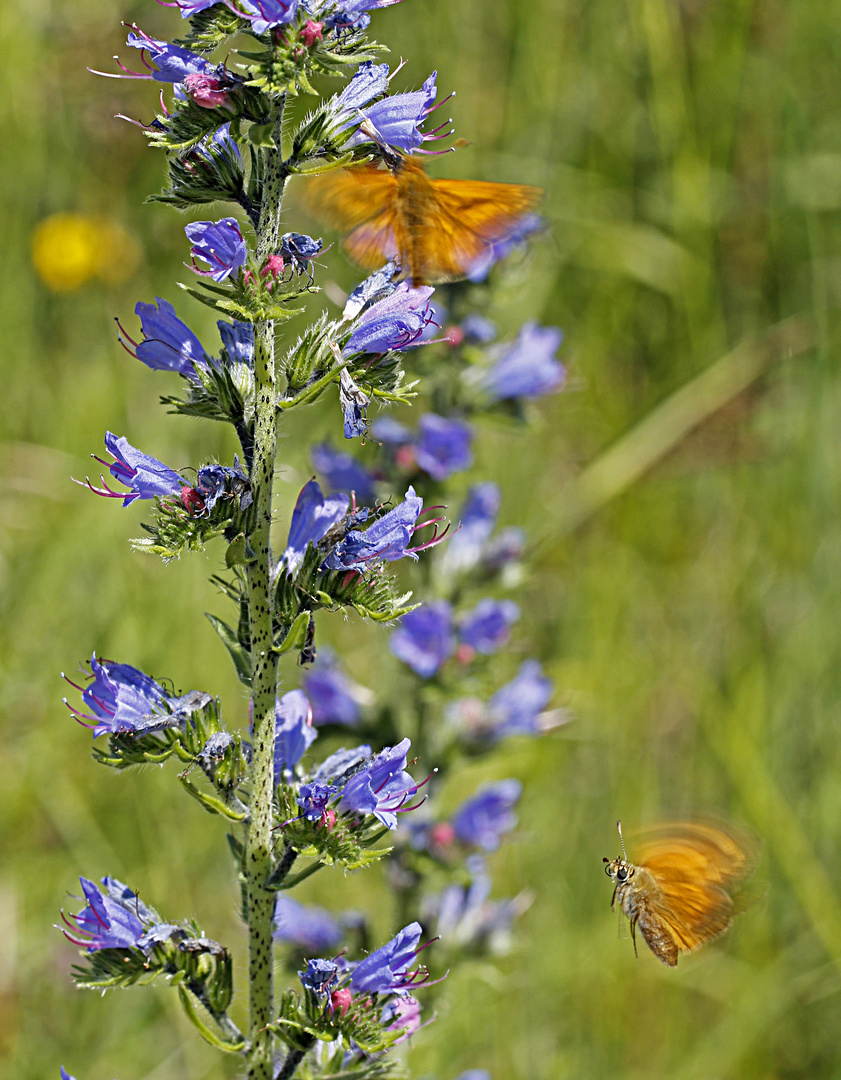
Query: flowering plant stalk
(231, 134)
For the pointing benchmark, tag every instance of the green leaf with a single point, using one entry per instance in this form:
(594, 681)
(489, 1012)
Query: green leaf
(240, 656)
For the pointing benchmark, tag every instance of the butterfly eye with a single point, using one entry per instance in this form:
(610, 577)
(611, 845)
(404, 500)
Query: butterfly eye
(622, 873)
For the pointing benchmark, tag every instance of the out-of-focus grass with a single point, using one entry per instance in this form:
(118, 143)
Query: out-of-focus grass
(691, 154)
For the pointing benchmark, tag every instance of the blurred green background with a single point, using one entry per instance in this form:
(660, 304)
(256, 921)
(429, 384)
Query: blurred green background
(684, 593)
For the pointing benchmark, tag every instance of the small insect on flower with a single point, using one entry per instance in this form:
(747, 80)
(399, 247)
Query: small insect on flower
(438, 229)
(684, 890)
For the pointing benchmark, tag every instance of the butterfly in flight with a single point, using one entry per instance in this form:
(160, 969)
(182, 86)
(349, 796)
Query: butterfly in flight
(684, 889)
(438, 230)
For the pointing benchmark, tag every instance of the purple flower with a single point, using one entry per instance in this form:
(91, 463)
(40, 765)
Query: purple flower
(369, 82)
(503, 549)
(215, 481)
(218, 145)
(514, 710)
(174, 63)
(168, 345)
(527, 368)
(65, 1075)
(391, 432)
(486, 628)
(353, 14)
(294, 733)
(341, 764)
(312, 929)
(106, 922)
(334, 698)
(503, 245)
(220, 245)
(238, 340)
(313, 799)
(319, 976)
(376, 287)
(465, 916)
(402, 1014)
(397, 119)
(479, 329)
(121, 699)
(387, 971)
(312, 517)
(342, 471)
(396, 322)
(425, 638)
(264, 14)
(443, 446)
(382, 788)
(484, 818)
(477, 520)
(386, 540)
(146, 476)
(354, 405)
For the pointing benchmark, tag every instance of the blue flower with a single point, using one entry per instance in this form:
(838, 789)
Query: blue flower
(312, 517)
(107, 923)
(215, 481)
(294, 733)
(396, 120)
(174, 63)
(391, 432)
(220, 245)
(64, 1074)
(191, 7)
(402, 1014)
(376, 287)
(388, 970)
(477, 521)
(443, 446)
(342, 471)
(369, 82)
(516, 236)
(486, 628)
(382, 788)
(334, 698)
(354, 403)
(319, 976)
(528, 367)
(514, 710)
(395, 322)
(121, 698)
(313, 799)
(482, 819)
(168, 345)
(146, 476)
(264, 14)
(312, 929)
(353, 14)
(425, 638)
(341, 765)
(238, 341)
(479, 329)
(465, 916)
(386, 540)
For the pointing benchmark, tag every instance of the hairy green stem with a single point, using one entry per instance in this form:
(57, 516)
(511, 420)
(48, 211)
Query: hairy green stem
(258, 859)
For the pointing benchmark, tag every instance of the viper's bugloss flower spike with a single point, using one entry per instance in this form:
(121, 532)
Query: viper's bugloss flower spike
(528, 367)
(486, 628)
(383, 788)
(425, 638)
(145, 476)
(394, 323)
(220, 244)
(310, 928)
(443, 446)
(388, 970)
(334, 698)
(397, 120)
(483, 818)
(342, 472)
(169, 344)
(294, 733)
(313, 516)
(265, 14)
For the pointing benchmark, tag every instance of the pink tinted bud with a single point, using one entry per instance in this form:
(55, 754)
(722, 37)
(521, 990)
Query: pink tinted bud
(246, 276)
(205, 91)
(341, 1001)
(405, 457)
(274, 265)
(465, 653)
(192, 500)
(311, 32)
(328, 819)
(442, 834)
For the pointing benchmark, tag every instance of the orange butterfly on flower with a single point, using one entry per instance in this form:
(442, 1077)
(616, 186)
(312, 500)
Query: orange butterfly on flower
(685, 887)
(438, 230)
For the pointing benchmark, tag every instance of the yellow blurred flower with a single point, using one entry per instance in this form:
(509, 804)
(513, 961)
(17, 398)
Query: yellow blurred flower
(70, 249)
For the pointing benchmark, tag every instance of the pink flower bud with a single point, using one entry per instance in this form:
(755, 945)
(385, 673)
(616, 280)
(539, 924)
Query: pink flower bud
(205, 91)
(341, 1001)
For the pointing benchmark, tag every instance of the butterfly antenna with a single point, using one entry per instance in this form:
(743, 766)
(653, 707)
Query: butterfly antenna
(621, 840)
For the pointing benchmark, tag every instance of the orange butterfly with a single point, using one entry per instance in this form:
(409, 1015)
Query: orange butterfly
(439, 230)
(683, 891)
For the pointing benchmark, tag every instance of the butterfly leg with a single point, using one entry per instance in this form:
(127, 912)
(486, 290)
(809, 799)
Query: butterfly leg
(634, 935)
(613, 899)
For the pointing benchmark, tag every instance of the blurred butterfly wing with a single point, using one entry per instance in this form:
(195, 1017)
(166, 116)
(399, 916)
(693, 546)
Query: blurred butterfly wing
(348, 198)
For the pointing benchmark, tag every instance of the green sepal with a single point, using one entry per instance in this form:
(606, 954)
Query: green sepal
(247, 309)
(240, 655)
(210, 802)
(316, 166)
(209, 1036)
(239, 553)
(211, 28)
(262, 135)
(348, 843)
(296, 635)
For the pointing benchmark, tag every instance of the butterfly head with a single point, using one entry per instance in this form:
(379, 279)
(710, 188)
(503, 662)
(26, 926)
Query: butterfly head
(619, 870)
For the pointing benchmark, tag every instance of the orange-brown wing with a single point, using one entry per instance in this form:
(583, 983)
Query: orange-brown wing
(464, 218)
(694, 866)
(347, 198)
